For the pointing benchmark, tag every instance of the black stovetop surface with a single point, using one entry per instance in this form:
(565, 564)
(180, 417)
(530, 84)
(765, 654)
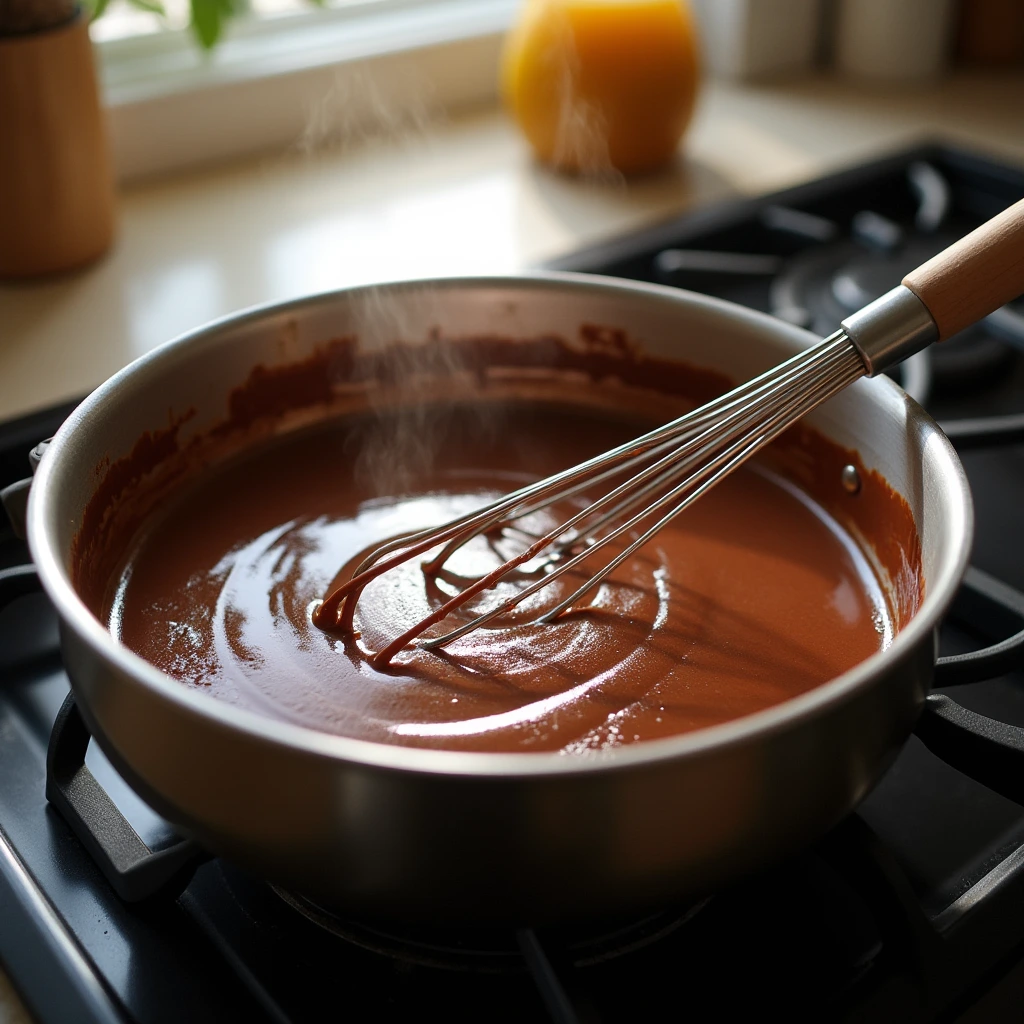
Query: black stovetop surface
(910, 910)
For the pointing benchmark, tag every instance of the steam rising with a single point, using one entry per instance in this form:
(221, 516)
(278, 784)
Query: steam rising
(419, 382)
(410, 420)
(581, 139)
(359, 106)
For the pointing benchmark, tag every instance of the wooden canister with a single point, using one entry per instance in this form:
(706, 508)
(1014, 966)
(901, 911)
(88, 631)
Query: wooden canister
(56, 182)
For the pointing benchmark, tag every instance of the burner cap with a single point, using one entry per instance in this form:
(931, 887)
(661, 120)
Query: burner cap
(868, 275)
(864, 280)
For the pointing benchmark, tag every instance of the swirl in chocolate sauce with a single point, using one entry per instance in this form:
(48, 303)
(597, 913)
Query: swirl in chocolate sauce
(752, 596)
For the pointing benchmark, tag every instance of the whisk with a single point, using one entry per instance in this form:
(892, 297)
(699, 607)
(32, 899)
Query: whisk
(654, 478)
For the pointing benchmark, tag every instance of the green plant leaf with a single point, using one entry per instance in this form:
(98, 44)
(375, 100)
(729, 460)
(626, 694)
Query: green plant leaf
(208, 16)
(153, 6)
(208, 20)
(96, 8)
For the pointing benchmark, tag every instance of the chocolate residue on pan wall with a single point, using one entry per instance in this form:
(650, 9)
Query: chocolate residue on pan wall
(339, 375)
(120, 503)
(878, 517)
(275, 390)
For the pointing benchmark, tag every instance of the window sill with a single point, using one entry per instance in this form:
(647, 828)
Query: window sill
(301, 83)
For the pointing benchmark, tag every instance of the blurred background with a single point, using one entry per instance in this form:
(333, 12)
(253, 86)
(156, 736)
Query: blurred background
(168, 161)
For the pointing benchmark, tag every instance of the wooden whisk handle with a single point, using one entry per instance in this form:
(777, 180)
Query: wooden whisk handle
(974, 276)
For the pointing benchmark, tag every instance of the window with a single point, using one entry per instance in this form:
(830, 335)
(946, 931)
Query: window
(173, 105)
(123, 20)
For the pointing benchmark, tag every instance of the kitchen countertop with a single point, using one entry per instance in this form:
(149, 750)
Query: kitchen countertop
(457, 197)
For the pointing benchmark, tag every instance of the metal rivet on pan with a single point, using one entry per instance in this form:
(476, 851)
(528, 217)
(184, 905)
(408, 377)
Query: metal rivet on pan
(851, 479)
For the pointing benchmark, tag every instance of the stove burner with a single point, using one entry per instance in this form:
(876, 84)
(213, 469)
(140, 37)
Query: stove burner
(823, 284)
(498, 950)
(835, 275)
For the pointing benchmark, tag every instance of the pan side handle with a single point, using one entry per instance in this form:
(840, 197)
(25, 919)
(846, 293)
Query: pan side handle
(14, 497)
(133, 870)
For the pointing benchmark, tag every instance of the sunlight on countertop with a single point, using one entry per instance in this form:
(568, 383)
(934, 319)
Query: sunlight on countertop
(457, 197)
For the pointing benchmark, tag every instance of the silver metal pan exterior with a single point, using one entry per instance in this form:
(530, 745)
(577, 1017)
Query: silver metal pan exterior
(401, 832)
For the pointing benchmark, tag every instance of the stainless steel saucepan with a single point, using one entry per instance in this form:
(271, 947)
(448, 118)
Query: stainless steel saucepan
(387, 830)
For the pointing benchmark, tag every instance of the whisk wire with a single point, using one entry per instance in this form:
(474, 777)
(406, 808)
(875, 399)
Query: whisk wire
(690, 429)
(831, 378)
(671, 466)
(704, 479)
(786, 387)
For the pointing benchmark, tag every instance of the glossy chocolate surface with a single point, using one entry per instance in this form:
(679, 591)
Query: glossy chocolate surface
(754, 595)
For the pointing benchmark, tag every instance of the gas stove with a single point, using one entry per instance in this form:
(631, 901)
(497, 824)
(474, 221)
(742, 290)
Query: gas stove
(909, 910)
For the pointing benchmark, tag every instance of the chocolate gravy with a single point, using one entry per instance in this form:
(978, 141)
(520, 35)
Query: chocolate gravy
(754, 595)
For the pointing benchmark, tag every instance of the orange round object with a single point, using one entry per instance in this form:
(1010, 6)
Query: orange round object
(601, 85)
